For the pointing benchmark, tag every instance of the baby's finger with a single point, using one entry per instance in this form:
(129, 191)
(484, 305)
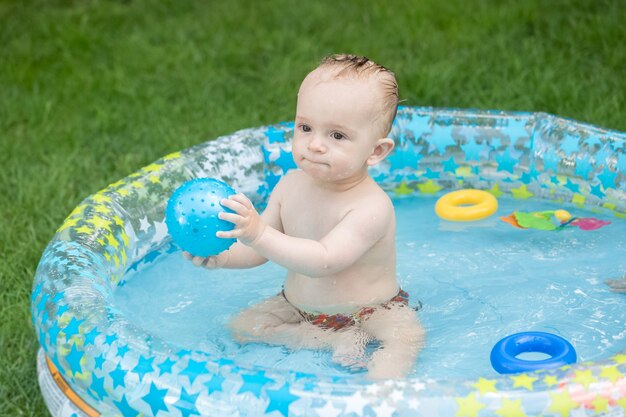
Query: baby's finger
(187, 255)
(231, 234)
(210, 262)
(230, 217)
(235, 206)
(243, 200)
(197, 260)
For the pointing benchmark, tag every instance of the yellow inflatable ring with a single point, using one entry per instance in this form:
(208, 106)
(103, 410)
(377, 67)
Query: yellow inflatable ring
(466, 205)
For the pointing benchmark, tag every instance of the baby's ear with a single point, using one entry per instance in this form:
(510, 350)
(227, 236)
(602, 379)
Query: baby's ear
(383, 147)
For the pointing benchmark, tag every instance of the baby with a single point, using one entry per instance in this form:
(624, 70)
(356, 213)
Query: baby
(332, 227)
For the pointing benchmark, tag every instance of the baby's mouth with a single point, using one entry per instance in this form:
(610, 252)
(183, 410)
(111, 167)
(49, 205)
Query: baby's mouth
(304, 158)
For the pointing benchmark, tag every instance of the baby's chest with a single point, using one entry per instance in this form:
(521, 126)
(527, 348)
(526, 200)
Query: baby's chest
(308, 217)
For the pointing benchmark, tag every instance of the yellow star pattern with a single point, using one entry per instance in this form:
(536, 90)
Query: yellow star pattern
(78, 209)
(579, 200)
(84, 229)
(611, 373)
(495, 190)
(154, 179)
(173, 155)
(523, 380)
(68, 223)
(521, 192)
(137, 184)
(550, 380)
(584, 377)
(511, 408)
(600, 404)
(112, 241)
(562, 403)
(464, 172)
(429, 187)
(622, 402)
(123, 192)
(468, 406)
(620, 358)
(403, 189)
(116, 184)
(118, 220)
(152, 168)
(485, 385)
(101, 198)
(102, 209)
(124, 238)
(100, 223)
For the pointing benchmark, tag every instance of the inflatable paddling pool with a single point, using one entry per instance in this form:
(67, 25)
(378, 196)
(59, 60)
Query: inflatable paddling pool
(95, 361)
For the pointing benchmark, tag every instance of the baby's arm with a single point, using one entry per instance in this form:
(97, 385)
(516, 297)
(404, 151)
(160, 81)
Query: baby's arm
(347, 242)
(240, 255)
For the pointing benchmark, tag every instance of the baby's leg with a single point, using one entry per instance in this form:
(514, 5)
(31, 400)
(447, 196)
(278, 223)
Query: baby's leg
(275, 321)
(348, 346)
(263, 321)
(401, 336)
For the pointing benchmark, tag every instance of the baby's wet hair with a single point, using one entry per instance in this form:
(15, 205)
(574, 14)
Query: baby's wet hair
(361, 66)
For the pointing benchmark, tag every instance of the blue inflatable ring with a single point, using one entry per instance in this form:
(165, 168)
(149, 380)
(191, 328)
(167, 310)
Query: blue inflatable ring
(504, 354)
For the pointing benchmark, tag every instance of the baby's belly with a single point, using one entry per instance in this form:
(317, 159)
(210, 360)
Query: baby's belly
(339, 294)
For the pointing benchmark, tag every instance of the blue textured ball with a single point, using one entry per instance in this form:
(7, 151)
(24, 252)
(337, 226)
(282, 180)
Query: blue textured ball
(191, 216)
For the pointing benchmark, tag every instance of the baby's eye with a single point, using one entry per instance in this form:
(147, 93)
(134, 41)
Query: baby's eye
(305, 128)
(338, 135)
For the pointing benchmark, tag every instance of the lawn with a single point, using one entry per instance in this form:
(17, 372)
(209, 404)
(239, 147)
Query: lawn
(90, 91)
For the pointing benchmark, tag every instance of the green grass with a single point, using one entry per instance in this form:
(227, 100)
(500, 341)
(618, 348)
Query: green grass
(90, 91)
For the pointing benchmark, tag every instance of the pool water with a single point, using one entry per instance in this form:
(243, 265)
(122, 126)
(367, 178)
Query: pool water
(478, 282)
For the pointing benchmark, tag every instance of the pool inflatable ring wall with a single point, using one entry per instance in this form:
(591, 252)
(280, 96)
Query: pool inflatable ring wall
(114, 367)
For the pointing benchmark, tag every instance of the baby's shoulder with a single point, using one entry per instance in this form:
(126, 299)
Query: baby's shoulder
(374, 197)
(288, 182)
(292, 178)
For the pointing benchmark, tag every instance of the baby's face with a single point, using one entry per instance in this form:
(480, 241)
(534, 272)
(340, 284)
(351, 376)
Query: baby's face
(337, 125)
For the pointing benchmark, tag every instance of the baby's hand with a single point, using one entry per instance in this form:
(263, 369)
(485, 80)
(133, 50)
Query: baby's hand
(248, 223)
(210, 262)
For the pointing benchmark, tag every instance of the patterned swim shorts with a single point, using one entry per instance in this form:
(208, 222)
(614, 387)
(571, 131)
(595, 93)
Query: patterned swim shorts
(339, 321)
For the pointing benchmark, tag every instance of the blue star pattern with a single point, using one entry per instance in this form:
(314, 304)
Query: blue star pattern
(73, 359)
(97, 387)
(156, 399)
(166, 365)
(194, 369)
(473, 151)
(100, 246)
(144, 366)
(275, 135)
(285, 161)
(125, 408)
(404, 157)
(506, 162)
(442, 138)
(215, 383)
(186, 403)
(117, 376)
(280, 400)
(254, 383)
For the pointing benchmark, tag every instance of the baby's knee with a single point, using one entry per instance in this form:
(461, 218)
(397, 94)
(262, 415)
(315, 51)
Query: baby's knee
(397, 324)
(413, 334)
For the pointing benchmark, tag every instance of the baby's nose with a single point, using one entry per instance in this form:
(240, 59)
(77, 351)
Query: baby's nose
(317, 144)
